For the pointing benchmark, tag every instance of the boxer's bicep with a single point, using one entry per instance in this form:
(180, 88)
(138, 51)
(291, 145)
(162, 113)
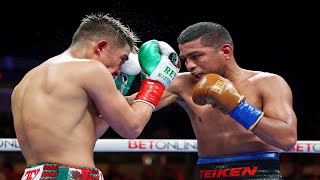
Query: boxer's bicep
(278, 104)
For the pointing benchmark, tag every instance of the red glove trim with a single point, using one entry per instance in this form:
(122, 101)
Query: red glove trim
(150, 91)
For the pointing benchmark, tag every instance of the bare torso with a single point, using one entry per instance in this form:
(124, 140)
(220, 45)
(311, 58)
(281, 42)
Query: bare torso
(218, 134)
(53, 116)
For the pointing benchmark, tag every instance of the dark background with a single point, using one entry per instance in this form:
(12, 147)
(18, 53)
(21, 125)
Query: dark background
(273, 36)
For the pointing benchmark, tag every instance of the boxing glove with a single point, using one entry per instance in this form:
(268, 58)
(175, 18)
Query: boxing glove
(222, 94)
(160, 64)
(129, 70)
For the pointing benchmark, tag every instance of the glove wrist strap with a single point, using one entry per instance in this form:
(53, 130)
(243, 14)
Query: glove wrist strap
(247, 115)
(150, 92)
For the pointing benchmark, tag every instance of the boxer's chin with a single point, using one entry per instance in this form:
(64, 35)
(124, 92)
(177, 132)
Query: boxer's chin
(199, 77)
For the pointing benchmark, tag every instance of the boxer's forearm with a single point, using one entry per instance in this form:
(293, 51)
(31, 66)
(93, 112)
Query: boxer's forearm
(131, 98)
(101, 126)
(277, 132)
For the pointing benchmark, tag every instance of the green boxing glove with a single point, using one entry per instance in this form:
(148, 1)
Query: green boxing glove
(160, 65)
(129, 70)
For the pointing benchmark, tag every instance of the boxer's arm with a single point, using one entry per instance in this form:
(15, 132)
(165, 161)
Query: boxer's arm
(222, 94)
(130, 98)
(168, 97)
(128, 121)
(100, 125)
(278, 126)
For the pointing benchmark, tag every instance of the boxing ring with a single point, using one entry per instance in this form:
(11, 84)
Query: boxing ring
(155, 145)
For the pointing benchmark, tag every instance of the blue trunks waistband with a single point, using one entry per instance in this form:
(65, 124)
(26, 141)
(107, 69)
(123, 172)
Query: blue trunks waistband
(241, 157)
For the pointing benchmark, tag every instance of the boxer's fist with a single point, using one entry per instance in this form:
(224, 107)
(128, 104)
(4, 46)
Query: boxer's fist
(222, 94)
(129, 70)
(160, 65)
(217, 91)
(159, 62)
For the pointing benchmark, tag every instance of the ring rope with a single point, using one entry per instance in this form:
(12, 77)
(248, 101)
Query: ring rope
(155, 145)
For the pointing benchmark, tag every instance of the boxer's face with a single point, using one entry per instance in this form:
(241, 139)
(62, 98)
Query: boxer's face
(200, 60)
(113, 58)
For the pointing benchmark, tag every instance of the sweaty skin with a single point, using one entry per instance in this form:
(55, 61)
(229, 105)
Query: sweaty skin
(55, 118)
(218, 134)
(61, 113)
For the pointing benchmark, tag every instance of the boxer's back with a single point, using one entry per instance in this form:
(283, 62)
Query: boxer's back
(50, 110)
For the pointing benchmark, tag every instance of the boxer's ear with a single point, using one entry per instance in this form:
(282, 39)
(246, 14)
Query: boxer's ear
(102, 44)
